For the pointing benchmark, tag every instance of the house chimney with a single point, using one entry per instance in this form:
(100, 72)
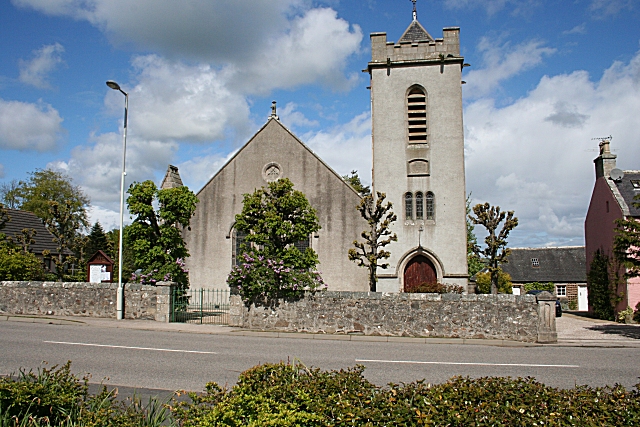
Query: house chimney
(606, 161)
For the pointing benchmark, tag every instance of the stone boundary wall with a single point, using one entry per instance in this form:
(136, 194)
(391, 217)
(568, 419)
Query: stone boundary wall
(518, 318)
(85, 299)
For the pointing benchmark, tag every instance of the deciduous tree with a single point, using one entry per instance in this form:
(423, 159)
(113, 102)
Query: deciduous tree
(495, 251)
(156, 234)
(474, 262)
(379, 216)
(272, 268)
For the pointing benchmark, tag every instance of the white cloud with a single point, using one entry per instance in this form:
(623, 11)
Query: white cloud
(346, 147)
(172, 100)
(294, 118)
(578, 29)
(25, 126)
(501, 63)
(536, 155)
(97, 167)
(35, 71)
(493, 6)
(196, 172)
(605, 8)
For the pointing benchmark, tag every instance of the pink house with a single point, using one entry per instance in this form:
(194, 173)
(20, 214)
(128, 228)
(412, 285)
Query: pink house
(612, 198)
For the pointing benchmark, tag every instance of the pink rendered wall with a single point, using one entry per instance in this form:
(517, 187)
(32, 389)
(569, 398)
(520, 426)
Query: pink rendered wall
(599, 226)
(633, 289)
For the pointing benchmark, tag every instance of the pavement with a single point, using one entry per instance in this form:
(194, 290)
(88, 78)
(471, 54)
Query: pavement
(574, 330)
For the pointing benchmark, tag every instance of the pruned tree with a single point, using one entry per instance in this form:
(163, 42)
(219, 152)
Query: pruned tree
(64, 223)
(495, 251)
(367, 254)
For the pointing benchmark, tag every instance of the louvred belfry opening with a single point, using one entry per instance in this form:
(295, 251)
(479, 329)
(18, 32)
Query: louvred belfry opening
(417, 115)
(418, 271)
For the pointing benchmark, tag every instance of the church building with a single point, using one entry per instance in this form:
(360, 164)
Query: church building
(418, 162)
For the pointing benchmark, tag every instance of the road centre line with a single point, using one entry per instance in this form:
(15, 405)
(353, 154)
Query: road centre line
(130, 348)
(526, 365)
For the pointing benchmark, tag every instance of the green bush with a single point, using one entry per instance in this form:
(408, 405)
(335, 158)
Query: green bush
(16, 264)
(56, 397)
(293, 395)
(483, 282)
(549, 287)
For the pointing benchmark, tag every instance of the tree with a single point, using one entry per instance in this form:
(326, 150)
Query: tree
(156, 235)
(483, 281)
(128, 257)
(379, 216)
(64, 223)
(45, 186)
(275, 219)
(16, 264)
(97, 241)
(495, 251)
(474, 263)
(626, 244)
(8, 194)
(602, 282)
(354, 181)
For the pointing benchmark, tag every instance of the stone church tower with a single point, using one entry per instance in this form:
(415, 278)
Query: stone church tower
(418, 155)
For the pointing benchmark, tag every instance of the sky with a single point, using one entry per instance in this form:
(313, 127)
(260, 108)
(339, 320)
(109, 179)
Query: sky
(546, 78)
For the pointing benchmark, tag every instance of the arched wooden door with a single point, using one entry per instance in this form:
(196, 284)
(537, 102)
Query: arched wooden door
(418, 271)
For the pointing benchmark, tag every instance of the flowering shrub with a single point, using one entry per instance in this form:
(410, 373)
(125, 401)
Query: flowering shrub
(176, 272)
(262, 280)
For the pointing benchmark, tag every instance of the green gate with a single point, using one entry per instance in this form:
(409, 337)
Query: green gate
(200, 306)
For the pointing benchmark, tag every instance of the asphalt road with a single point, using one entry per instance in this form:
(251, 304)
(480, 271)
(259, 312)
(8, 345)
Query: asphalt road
(170, 361)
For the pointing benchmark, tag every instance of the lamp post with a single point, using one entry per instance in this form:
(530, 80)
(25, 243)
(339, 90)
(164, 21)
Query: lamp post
(120, 296)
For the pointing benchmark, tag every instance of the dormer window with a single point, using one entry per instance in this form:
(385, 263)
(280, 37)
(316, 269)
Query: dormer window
(636, 184)
(535, 262)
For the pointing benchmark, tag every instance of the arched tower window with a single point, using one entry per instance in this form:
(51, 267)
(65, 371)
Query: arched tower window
(237, 250)
(417, 115)
(419, 206)
(431, 206)
(408, 206)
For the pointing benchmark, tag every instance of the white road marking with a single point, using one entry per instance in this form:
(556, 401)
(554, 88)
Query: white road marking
(131, 348)
(528, 365)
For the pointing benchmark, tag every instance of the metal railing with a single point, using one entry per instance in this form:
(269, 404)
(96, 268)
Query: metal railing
(209, 306)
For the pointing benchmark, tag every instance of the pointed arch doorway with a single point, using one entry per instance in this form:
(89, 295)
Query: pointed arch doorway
(418, 271)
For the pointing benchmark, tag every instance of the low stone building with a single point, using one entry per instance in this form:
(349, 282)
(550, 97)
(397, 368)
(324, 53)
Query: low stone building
(564, 266)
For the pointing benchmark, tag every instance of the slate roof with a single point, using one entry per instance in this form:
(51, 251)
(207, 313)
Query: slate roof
(628, 191)
(21, 220)
(414, 33)
(558, 265)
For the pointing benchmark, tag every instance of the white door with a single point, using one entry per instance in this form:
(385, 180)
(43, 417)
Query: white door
(583, 301)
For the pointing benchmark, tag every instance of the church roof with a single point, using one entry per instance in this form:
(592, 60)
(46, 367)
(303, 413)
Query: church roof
(415, 33)
(558, 265)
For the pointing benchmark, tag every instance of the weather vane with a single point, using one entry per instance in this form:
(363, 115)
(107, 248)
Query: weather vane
(415, 12)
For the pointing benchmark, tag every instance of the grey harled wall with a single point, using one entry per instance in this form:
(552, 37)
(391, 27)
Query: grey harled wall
(506, 317)
(84, 299)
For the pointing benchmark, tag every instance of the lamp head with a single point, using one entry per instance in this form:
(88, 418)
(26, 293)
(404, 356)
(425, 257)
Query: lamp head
(113, 85)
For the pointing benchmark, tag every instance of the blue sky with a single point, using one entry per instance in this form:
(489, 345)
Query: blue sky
(546, 77)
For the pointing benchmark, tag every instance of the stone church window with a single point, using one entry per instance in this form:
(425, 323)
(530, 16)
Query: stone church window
(237, 250)
(408, 205)
(417, 115)
(419, 206)
(430, 206)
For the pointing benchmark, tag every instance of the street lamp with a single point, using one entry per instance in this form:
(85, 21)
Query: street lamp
(120, 296)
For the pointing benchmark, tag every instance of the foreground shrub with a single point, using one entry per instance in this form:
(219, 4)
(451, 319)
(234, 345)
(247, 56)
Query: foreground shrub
(56, 397)
(293, 395)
